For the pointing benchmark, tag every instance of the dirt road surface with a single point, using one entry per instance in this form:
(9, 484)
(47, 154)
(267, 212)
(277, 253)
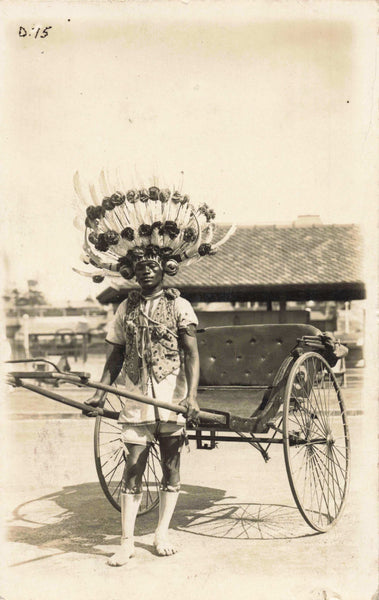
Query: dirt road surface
(236, 525)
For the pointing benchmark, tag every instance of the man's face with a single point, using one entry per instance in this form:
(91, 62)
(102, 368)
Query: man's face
(149, 275)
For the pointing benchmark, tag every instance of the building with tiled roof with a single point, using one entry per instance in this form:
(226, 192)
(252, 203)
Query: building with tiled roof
(271, 263)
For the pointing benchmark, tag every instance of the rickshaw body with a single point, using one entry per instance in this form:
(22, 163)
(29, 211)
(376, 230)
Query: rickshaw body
(261, 385)
(272, 385)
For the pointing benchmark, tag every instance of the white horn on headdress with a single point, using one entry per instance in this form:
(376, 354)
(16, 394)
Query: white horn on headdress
(96, 273)
(226, 237)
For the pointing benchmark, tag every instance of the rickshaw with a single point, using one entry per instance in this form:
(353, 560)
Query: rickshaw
(272, 384)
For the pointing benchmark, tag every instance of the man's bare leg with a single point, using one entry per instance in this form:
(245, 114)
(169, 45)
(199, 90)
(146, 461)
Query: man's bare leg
(130, 502)
(167, 503)
(129, 508)
(170, 455)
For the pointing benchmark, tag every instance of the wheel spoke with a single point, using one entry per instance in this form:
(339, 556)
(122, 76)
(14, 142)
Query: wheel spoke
(339, 451)
(147, 484)
(295, 416)
(318, 487)
(331, 488)
(310, 424)
(317, 396)
(110, 404)
(151, 467)
(319, 412)
(307, 398)
(304, 397)
(333, 472)
(341, 478)
(109, 424)
(111, 451)
(318, 469)
(319, 383)
(117, 491)
(315, 478)
(113, 471)
(306, 474)
(120, 399)
(106, 432)
(112, 458)
(299, 451)
(336, 488)
(336, 461)
(321, 486)
(117, 439)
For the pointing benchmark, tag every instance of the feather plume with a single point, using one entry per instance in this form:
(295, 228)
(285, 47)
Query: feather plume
(93, 193)
(79, 191)
(207, 233)
(78, 223)
(103, 184)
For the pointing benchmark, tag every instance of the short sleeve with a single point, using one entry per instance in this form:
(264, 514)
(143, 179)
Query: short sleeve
(116, 330)
(185, 315)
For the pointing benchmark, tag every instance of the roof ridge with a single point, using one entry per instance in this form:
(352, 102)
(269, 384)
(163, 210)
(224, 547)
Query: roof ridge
(290, 225)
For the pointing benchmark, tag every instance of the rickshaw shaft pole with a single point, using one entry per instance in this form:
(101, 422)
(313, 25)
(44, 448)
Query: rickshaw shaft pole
(83, 407)
(154, 402)
(107, 388)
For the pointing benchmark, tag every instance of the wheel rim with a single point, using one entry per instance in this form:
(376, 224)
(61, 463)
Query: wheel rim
(316, 441)
(110, 461)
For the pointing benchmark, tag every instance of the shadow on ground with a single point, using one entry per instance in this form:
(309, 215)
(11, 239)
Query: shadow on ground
(78, 519)
(253, 521)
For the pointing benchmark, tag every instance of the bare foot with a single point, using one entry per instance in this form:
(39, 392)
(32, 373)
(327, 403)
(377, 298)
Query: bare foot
(163, 545)
(121, 557)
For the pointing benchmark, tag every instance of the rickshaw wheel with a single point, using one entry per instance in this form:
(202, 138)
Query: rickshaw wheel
(316, 441)
(110, 461)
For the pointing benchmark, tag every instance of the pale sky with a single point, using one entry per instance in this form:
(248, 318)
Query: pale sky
(269, 116)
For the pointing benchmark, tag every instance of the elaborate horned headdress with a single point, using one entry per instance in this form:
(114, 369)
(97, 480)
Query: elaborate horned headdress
(122, 228)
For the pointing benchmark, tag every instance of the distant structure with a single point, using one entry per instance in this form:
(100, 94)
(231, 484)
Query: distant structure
(35, 329)
(307, 221)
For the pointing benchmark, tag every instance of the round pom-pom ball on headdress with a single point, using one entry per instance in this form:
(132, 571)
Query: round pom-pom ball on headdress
(118, 198)
(112, 237)
(132, 196)
(154, 193)
(98, 278)
(127, 271)
(171, 267)
(107, 204)
(127, 234)
(102, 244)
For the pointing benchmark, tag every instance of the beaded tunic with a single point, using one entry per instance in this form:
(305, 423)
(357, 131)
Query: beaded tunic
(153, 364)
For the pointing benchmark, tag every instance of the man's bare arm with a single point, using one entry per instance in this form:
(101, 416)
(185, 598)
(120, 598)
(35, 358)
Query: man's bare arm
(192, 369)
(111, 371)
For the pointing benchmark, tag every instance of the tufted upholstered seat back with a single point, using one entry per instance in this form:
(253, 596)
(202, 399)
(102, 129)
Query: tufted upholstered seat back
(246, 354)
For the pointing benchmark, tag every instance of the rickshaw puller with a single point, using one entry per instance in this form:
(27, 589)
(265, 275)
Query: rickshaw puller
(146, 233)
(143, 424)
